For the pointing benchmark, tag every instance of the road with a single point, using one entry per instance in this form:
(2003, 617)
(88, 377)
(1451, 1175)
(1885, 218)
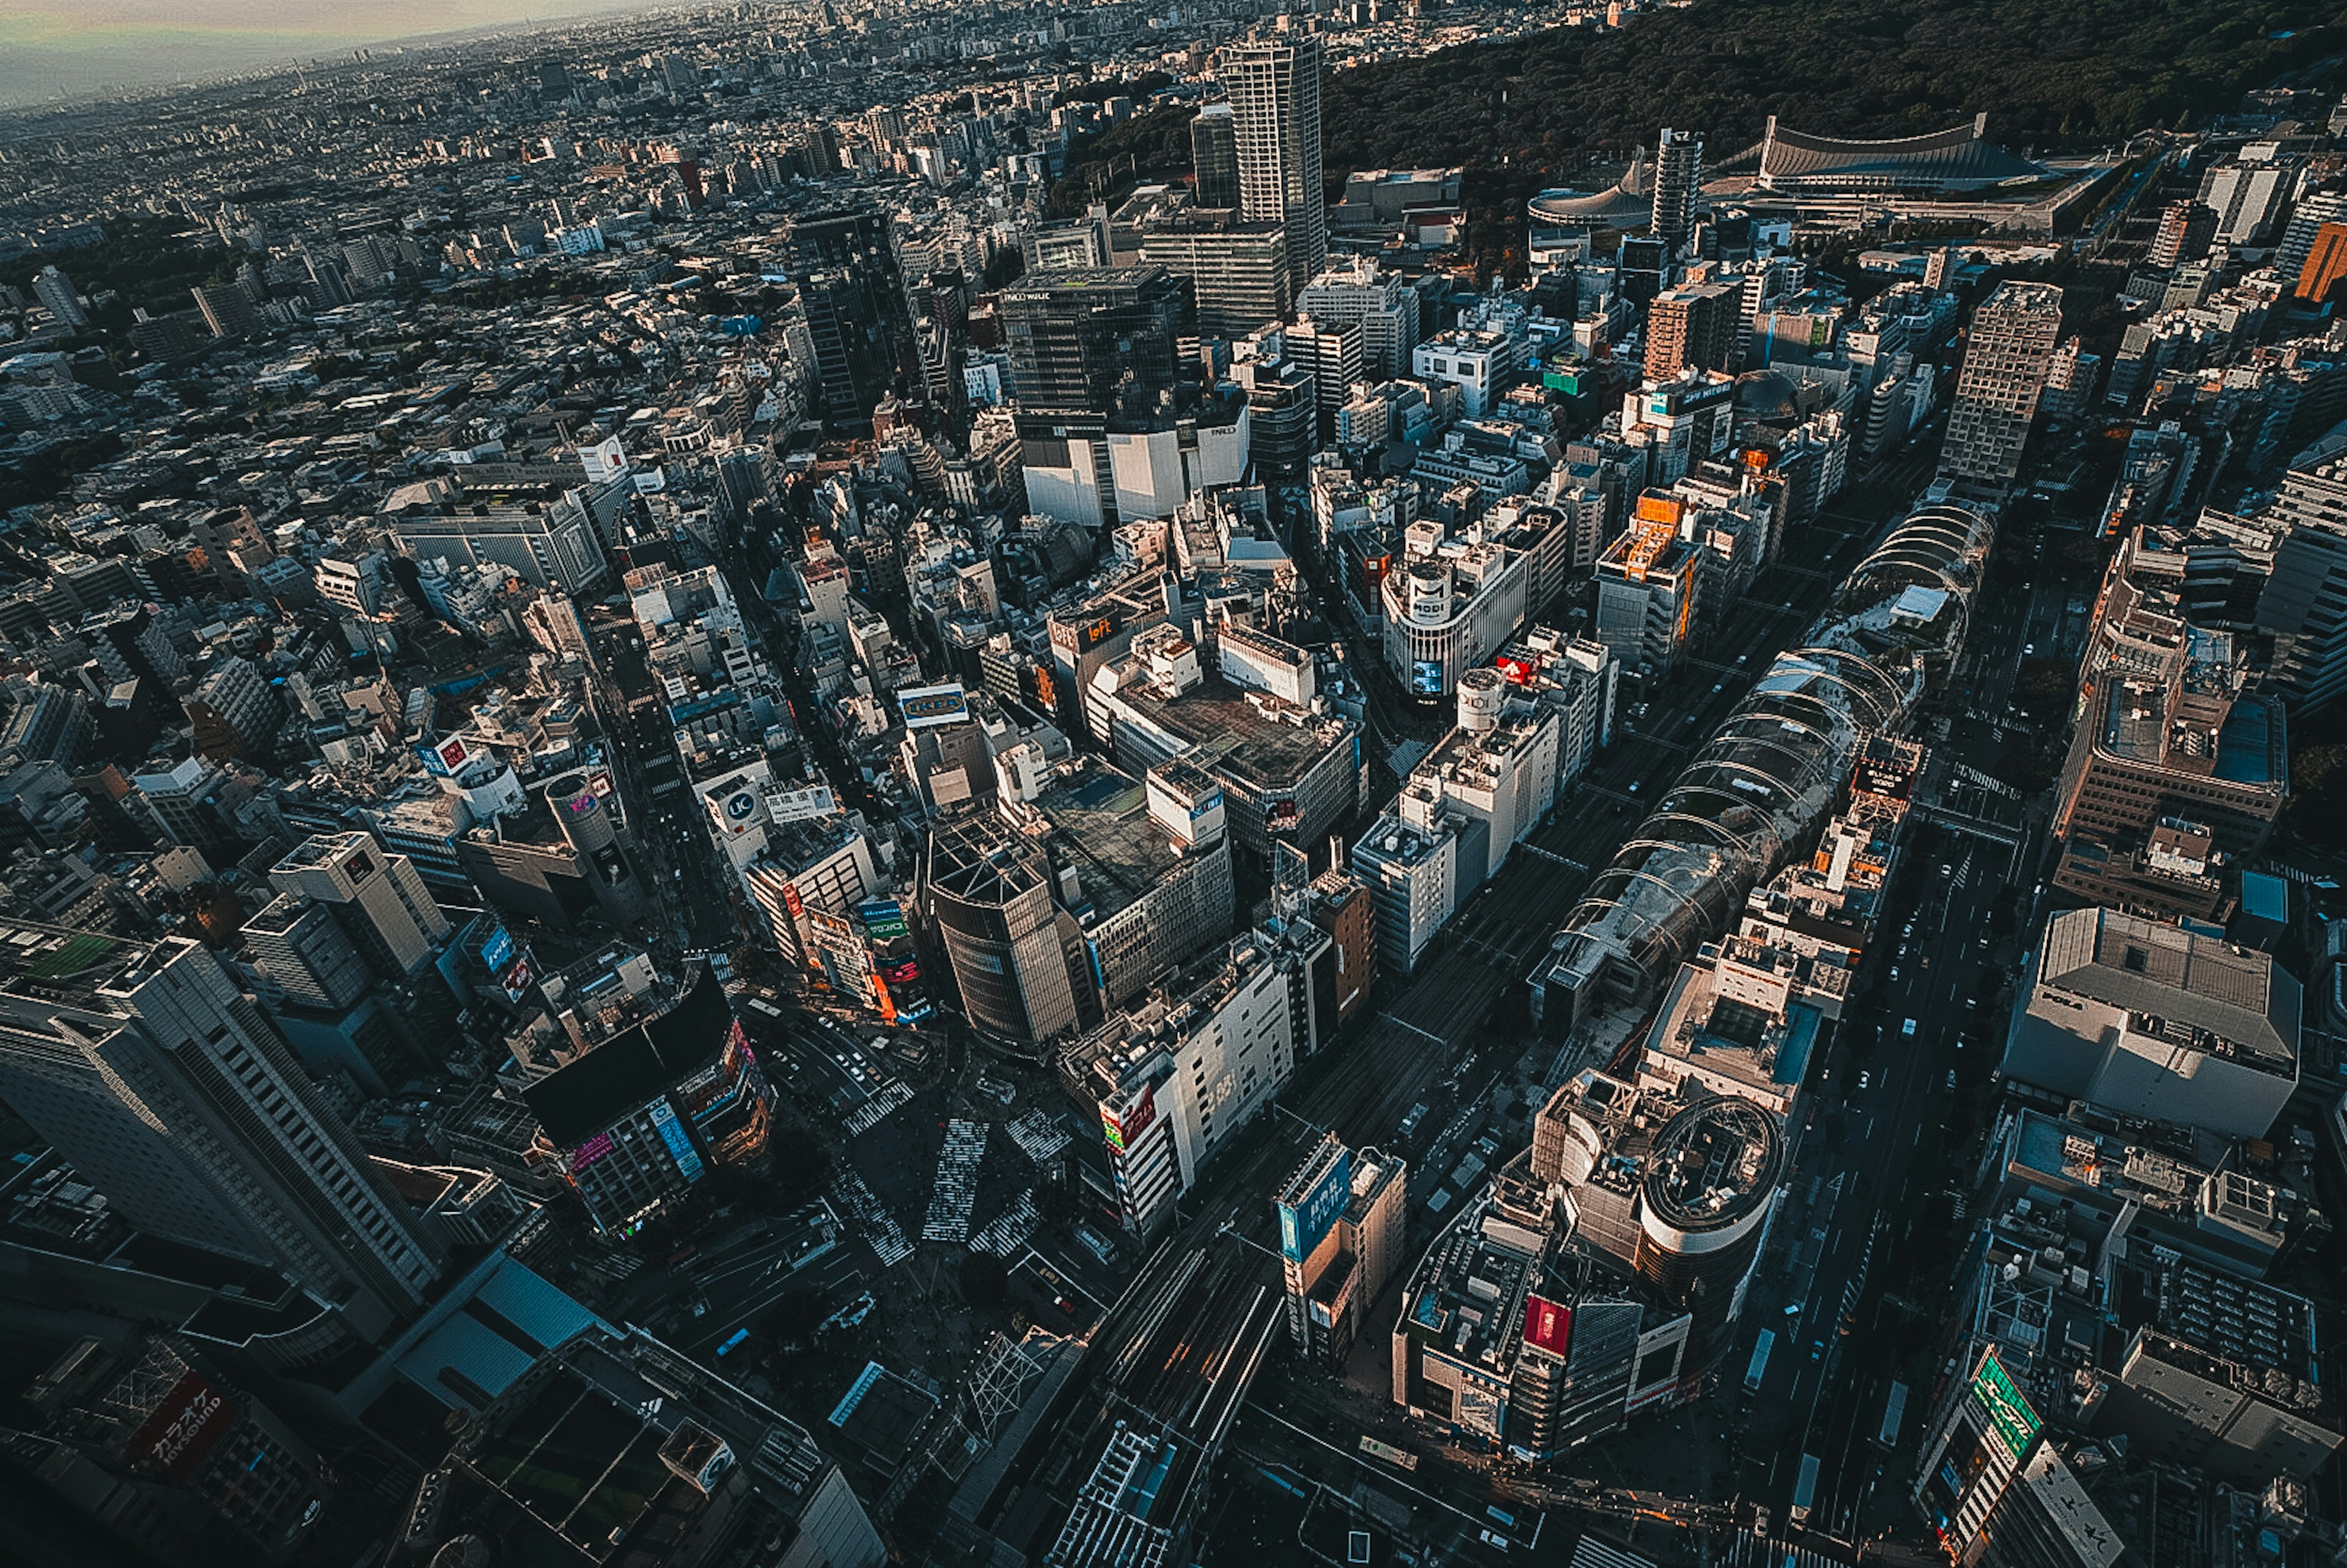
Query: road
(1874, 1152)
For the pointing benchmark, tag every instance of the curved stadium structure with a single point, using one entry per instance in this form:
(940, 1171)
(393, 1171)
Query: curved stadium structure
(1772, 772)
(1960, 157)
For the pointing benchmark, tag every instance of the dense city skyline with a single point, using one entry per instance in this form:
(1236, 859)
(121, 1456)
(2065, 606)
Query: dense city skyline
(1420, 782)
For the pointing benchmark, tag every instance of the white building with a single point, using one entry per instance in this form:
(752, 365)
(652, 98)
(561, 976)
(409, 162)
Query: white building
(1481, 364)
(1412, 872)
(1176, 1077)
(1151, 472)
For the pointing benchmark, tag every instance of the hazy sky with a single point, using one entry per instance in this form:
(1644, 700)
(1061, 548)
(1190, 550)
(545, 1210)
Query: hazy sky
(53, 47)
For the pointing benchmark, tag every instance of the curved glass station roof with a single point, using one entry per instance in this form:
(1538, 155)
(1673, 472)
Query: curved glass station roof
(1774, 770)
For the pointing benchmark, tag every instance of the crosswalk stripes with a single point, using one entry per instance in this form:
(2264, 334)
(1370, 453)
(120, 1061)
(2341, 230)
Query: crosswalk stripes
(1039, 1137)
(873, 1221)
(1750, 1550)
(955, 1188)
(1011, 1229)
(1589, 1552)
(875, 1111)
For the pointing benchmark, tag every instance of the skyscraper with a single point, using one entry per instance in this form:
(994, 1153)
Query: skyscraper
(1695, 326)
(225, 310)
(858, 312)
(1678, 181)
(1087, 339)
(379, 899)
(1214, 155)
(2305, 605)
(1274, 93)
(57, 291)
(2012, 346)
(172, 1095)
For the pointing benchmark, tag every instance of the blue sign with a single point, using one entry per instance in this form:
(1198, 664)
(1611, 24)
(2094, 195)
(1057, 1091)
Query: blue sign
(497, 950)
(680, 1144)
(1301, 1226)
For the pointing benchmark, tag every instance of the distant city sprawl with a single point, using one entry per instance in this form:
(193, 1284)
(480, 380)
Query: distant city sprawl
(799, 786)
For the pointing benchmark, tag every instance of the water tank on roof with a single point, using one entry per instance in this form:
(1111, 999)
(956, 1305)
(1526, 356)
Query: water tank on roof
(1430, 592)
(1481, 695)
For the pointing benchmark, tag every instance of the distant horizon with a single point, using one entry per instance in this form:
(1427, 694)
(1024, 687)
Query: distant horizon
(53, 51)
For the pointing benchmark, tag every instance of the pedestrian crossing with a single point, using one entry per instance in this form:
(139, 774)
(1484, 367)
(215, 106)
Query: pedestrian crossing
(955, 1188)
(892, 1095)
(1039, 1137)
(1011, 1229)
(873, 1221)
(1750, 1550)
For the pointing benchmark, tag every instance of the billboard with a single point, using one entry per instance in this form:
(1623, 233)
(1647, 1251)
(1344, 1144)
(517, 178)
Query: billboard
(925, 705)
(178, 1432)
(441, 758)
(1547, 1326)
(508, 961)
(1124, 1131)
(1653, 509)
(800, 805)
(884, 920)
(1301, 1226)
(1517, 669)
(679, 1142)
(2016, 1424)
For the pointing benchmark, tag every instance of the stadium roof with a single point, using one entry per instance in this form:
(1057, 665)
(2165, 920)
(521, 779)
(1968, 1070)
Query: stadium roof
(1957, 159)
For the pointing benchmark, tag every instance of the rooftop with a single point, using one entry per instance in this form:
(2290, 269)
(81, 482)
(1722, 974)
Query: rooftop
(2201, 993)
(576, 1101)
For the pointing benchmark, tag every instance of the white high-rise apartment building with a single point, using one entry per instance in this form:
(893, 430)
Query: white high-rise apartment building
(1274, 93)
(1678, 183)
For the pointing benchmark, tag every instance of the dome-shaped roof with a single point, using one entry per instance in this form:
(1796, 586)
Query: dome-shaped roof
(1766, 393)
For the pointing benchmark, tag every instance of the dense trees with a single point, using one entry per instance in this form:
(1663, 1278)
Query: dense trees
(1522, 114)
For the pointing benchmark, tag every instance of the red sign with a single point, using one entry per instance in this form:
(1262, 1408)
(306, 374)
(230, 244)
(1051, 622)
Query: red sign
(791, 900)
(1547, 1326)
(1520, 670)
(183, 1428)
(453, 753)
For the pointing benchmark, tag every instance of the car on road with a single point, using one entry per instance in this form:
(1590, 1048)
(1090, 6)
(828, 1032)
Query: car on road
(1865, 1081)
(1907, 1029)
(1894, 971)
(1952, 1081)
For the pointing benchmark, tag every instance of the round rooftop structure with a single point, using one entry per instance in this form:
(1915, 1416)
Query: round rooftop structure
(1627, 203)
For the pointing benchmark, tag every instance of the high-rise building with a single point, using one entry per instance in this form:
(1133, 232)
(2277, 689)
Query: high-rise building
(1214, 155)
(1695, 326)
(2013, 336)
(172, 1095)
(379, 899)
(2325, 263)
(303, 949)
(2307, 220)
(2152, 1020)
(56, 291)
(1679, 185)
(2305, 604)
(1355, 291)
(1237, 269)
(1095, 339)
(858, 311)
(1274, 95)
(1340, 1238)
(225, 310)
